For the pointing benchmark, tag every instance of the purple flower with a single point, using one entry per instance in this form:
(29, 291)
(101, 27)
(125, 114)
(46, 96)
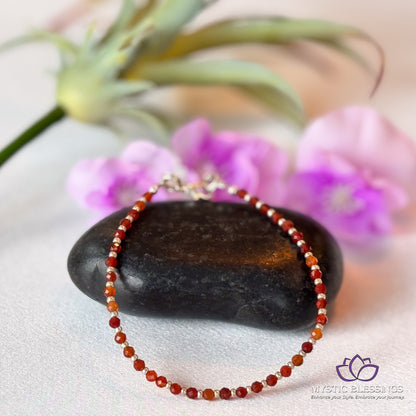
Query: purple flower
(249, 162)
(357, 369)
(353, 170)
(106, 185)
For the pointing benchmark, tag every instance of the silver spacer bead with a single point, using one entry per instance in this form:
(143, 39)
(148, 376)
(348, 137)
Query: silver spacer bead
(108, 284)
(319, 326)
(312, 341)
(278, 375)
(315, 267)
(292, 230)
(321, 296)
(183, 391)
(136, 208)
(302, 353)
(308, 254)
(300, 243)
(264, 382)
(317, 281)
(115, 313)
(134, 357)
(322, 311)
(130, 218)
(111, 299)
(117, 330)
(145, 370)
(124, 344)
(122, 228)
(112, 254)
(153, 189)
(270, 212)
(217, 394)
(168, 384)
(116, 240)
(247, 197)
(249, 389)
(143, 199)
(199, 394)
(291, 365)
(259, 204)
(233, 393)
(232, 190)
(281, 221)
(111, 269)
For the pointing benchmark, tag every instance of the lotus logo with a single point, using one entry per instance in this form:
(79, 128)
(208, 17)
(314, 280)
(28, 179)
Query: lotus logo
(357, 368)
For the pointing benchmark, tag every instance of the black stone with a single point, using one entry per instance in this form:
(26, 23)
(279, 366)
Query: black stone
(209, 260)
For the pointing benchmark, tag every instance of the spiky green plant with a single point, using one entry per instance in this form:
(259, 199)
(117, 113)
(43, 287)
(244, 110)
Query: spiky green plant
(149, 47)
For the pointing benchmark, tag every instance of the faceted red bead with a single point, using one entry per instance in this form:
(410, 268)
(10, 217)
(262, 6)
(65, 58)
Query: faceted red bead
(111, 277)
(321, 319)
(175, 388)
(192, 392)
(305, 248)
(112, 306)
(161, 381)
(276, 217)
(285, 371)
(141, 205)
(148, 196)
(321, 303)
(115, 247)
(264, 208)
(297, 360)
(241, 392)
(139, 365)
(311, 261)
(208, 394)
(109, 291)
(134, 214)
(256, 387)
(111, 262)
(120, 337)
(241, 193)
(307, 347)
(297, 236)
(120, 234)
(315, 274)
(320, 288)
(225, 393)
(253, 201)
(271, 380)
(151, 375)
(126, 223)
(316, 333)
(114, 322)
(287, 225)
(128, 352)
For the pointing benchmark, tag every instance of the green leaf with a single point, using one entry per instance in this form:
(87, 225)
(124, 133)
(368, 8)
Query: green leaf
(235, 73)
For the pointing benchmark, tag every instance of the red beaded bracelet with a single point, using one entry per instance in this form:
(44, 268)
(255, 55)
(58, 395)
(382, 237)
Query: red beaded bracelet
(204, 190)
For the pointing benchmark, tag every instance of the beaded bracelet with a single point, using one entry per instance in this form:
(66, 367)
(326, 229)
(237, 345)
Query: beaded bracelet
(204, 190)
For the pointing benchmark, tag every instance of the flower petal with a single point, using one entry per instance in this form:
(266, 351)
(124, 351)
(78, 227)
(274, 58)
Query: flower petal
(368, 372)
(355, 365)
(344, 373)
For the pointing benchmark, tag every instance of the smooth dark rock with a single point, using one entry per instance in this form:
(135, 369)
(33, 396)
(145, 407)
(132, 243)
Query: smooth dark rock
(209, 260)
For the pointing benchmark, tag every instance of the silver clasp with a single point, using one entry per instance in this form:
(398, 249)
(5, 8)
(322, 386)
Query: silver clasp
(198, 190)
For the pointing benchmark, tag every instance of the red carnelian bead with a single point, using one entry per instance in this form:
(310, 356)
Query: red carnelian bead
(297, 360)
(264, 208)
(256, 387)
(297, 236)
(276, 217)
(126, 223)
(208, 394)
(139, 365)
(175, 388)
(287, 225)
(161, 381)
(120, 337)
(304, 248)
(316, 333)
(253, 201)
(114, 322)
(311, 261)
(115, 247)
(315, 274)
(120, 234)
(320, 288)
(285, 371)
(148, 196)
(321, 303)
(151, 375)
(111, 277)
(128, 352)
(134, 214)
(109, 291)
(321, 319)
(111, 262)
(271, 380)
(225, 393)
(241, 193)
(241, 392)
(192, 392)
(112, 306)
(141, 205)
(307, 347)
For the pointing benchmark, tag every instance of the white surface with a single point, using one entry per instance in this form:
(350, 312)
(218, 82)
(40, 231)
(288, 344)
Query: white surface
(57, 356)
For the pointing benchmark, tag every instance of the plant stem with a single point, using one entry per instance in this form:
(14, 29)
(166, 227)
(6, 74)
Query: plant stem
(33, 131)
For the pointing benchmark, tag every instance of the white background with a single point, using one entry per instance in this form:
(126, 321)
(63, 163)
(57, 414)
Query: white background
(56, 350)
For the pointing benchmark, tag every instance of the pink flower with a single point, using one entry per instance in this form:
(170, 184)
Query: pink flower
(354, 169)
(249, 162)
(106, 185)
